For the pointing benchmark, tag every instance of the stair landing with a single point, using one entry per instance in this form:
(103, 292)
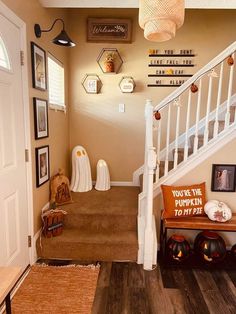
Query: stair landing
(99, 226)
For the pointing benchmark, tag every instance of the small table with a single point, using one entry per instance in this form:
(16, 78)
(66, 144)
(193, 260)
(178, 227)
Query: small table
(8, 279)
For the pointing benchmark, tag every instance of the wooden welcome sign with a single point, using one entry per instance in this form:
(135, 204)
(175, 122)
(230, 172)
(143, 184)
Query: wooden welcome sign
(109, 30)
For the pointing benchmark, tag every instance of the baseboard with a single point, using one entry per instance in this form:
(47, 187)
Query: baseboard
(35, 238)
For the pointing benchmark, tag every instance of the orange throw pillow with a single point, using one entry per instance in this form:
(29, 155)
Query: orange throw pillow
(184, 201)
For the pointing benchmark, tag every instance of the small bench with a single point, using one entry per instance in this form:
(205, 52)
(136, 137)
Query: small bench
(8, 278)
(193, 223)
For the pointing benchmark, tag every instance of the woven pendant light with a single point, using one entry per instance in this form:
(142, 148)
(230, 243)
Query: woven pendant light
(160, 18)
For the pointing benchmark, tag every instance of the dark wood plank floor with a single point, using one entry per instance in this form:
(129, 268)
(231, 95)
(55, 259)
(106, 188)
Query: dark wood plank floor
(125, 288)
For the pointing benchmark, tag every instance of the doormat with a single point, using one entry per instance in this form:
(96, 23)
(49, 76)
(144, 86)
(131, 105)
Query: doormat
(54, 290)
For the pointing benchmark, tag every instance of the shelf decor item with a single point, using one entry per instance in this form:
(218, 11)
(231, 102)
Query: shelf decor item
(127, 84)
(39, 76)
(109, 60)
(92, 84)
(217, 211)
(178, 248)
(210, 247)
(160, 19)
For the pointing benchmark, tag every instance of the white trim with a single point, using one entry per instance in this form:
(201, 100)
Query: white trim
(189, 4)
(11, 16)
(194, 160)
(35, 238)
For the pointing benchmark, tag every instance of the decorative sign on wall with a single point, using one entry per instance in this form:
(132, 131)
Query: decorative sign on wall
(109, 30)
(171, 64)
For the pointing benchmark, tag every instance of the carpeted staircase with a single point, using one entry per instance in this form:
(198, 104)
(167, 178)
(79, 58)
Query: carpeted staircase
(99, 226)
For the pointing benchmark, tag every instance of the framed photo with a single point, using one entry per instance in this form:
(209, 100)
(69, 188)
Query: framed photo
(42, 165)
(39, 74)
(40, 118)
(109, 30)
(223, 178)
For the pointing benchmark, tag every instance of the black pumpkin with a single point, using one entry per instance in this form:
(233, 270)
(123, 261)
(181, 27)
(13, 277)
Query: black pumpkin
(178, 248)
(210, 247)
(233, 252)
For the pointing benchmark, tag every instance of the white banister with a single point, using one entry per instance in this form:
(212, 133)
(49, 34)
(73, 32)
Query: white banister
(231, 75)
(167, 141)
(206, 131)
(216, 124)
(195, 145)
(212, 64)
(176, 135)
(187, 126)
(158, 150)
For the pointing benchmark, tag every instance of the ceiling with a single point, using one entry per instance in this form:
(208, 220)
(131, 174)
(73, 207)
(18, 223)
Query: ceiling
(189, 4)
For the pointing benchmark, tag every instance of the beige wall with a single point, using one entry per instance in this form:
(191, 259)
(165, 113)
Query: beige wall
(95, 121)
(31, 12)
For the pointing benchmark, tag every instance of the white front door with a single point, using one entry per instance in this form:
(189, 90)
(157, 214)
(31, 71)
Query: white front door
(13, 179)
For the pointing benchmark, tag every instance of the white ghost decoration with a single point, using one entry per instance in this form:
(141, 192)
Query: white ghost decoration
(217, 211)
(81, 180)
(103, 176)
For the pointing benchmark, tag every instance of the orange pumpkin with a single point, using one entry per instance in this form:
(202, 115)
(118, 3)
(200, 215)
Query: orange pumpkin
(194, 88)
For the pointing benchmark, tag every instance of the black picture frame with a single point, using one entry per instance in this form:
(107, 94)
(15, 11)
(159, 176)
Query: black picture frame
(39, 69)
(223, 178)
(41, 128)
(42, 165)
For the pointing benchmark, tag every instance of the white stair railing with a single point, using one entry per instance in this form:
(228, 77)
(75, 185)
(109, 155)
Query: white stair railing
(198, 109)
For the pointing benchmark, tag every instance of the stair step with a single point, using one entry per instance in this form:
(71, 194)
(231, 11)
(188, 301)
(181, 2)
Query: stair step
(232, 113)
(221, 126)
(181, 153)
(97, 246)
(162, 167)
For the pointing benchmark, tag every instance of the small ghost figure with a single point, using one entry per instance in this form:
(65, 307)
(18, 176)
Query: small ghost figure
(217, 211)
(81, 180)
(103, 176)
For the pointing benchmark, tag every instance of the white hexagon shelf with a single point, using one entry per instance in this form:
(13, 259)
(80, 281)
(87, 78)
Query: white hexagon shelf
(127, 84)
(110, 60)
(92, 84)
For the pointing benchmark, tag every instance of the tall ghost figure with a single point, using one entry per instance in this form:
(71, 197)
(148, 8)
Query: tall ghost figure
(81, 180)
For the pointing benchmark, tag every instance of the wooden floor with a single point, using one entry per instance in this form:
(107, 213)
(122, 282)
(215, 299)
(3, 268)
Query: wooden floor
(125, 288)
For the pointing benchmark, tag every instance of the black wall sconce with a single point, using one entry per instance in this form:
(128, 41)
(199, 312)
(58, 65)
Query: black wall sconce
(62, 39)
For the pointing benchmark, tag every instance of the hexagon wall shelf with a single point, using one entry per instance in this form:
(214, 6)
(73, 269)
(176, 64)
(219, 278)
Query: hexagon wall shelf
(109, 61)
(92, 84)
(127, 84)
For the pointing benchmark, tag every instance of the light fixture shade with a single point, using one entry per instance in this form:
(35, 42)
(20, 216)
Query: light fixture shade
(160, 18)
(63, 40)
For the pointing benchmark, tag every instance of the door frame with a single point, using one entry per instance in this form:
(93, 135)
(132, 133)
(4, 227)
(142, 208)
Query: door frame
(12, 17)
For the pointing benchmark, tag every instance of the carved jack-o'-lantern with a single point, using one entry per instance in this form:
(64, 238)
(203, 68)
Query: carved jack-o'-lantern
(210, 247)
(178, 248)
(233, 252)
(230, 60)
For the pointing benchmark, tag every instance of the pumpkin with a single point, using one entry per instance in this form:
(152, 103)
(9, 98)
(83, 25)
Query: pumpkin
(217, 211)
(157, 115)
(178, 248)
(210, 247)
(233, 252)
(194, 88)
(230, 60)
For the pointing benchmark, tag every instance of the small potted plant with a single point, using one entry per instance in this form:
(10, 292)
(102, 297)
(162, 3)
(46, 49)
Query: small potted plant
(109, 62)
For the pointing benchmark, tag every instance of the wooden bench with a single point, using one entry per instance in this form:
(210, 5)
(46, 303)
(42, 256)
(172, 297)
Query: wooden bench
(8, 278)
(193, 223)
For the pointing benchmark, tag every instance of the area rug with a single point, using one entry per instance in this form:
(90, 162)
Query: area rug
(57, 290)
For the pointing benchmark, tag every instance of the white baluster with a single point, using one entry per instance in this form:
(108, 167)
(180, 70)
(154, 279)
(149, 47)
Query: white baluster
(187, 126)
(176, 136)
(216, 124)
(227, 115)
(158, 150)
(167, 141)
(195, 145)
(206, 131)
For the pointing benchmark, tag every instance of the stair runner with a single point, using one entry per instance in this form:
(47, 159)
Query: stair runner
(99, 226)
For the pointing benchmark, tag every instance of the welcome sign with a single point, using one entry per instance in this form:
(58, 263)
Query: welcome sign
(109, 30)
